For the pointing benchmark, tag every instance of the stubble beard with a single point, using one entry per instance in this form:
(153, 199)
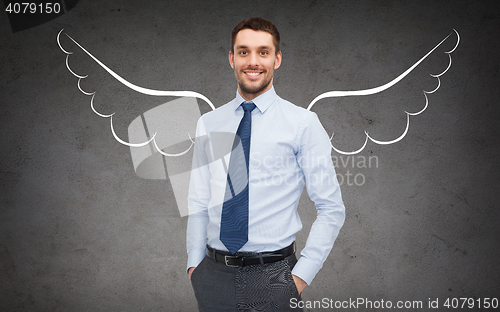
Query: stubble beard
(254, 90)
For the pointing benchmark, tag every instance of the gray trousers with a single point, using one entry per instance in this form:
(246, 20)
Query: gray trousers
(261, 287)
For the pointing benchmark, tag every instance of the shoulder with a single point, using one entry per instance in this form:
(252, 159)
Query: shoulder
(220, 119)
(223, 111)
(295, 112)
(306, 123)
(297, 109)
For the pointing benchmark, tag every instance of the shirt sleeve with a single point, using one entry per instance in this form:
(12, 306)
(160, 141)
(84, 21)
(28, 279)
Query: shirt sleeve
(198, 199)
(314, 158)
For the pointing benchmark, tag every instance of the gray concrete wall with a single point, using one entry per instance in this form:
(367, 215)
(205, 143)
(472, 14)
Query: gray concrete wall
(80, 231)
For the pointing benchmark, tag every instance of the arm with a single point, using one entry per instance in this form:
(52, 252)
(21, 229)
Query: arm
(299, 283)
(322, 186)
(190, 271)
(198, 201)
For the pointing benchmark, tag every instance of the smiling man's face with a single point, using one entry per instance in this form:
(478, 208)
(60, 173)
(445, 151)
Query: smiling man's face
(254, 61)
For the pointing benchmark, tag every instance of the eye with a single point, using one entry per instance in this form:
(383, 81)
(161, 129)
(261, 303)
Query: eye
(243, 52)
(264, 53)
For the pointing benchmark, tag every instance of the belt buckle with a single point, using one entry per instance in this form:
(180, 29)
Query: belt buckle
(226, 259)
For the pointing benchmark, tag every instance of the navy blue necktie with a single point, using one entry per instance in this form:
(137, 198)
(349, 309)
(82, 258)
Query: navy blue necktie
(234, 219)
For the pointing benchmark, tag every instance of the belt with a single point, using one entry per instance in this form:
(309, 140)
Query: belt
(241, 259)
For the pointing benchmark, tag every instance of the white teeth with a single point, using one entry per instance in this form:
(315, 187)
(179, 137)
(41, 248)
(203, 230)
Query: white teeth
(253, 74)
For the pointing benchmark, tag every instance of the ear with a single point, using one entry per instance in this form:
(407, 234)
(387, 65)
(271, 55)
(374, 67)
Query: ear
(277, 62)
(231, 59)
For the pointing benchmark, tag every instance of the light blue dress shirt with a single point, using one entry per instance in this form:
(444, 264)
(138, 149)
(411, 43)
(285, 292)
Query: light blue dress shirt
(289, 149)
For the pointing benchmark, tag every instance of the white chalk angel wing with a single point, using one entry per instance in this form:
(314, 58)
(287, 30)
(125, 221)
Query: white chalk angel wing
(152, 138)
(384, 87)
(155, 129)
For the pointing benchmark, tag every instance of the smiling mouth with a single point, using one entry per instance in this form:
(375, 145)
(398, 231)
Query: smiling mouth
(252, 74)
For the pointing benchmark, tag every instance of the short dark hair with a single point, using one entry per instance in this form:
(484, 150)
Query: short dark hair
(257, 23)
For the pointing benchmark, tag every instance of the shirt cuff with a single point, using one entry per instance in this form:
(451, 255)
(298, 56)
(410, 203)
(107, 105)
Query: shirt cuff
(195, 256)
(306, 269)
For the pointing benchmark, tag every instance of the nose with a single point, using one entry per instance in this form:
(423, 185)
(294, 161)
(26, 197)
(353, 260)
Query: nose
(253, 60)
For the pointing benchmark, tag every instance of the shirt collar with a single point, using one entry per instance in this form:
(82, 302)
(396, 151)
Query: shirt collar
(263, 101)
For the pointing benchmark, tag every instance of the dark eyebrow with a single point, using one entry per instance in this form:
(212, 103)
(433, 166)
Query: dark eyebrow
(259, 48)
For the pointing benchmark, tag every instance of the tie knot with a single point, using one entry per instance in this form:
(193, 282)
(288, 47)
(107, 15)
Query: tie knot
(248, 106)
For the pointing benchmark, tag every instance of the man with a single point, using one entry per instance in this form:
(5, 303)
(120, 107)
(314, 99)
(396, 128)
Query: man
(243, 208)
